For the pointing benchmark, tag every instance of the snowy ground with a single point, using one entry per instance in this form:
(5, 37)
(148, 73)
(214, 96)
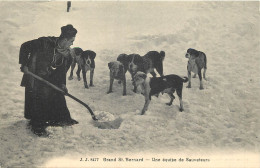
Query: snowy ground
(220, 120)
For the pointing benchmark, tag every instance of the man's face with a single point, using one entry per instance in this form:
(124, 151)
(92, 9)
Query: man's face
(68, 42)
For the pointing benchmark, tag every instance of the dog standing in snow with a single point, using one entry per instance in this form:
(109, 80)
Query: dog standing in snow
(156, 85)
(147, 63)
(75, 53)
(197, 61)
(86, 62)
(117, 72)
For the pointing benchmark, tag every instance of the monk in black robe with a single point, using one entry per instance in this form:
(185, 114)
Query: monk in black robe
(49, 58)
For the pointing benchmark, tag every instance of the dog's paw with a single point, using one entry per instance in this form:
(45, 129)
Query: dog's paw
(79, 78)
(124, 94)
(110, 91)
(86, 86)
(91, 85)
(201, 88)
(181, 109)
(169, 104)
(70, 77)
(189, 86)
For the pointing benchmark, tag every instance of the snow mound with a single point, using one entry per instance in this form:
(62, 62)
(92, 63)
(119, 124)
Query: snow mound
(104, 116)
(106, 120)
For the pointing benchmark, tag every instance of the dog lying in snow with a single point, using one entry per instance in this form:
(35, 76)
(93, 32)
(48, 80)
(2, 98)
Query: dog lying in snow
(147, 63)
(165, 84)
(197, 61)
(117, 72)
(86, 62)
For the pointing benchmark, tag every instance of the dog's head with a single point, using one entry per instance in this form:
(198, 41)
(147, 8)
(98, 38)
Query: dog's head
(135, 63)
(116, 68)
(139, 78)
(191, 52)
(77, 51)
(123, 58)
(88, 57)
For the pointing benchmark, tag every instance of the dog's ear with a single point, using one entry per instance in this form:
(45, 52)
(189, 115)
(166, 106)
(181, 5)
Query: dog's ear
(128, 58)
(84, 54)
(138, 60)
(122, 58)
(193, 52)
(141, 74)
(77, 50)
(92, 55)
(144, 75)
(121, 68)
(109, 65)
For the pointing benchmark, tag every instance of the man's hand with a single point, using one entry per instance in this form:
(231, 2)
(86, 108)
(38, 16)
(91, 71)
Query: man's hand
(24, 69)
(64, 88)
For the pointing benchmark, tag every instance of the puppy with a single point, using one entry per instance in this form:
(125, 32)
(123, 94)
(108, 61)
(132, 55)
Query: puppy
(165, 84)
(117, 72)
(197, 61)
(86, 62)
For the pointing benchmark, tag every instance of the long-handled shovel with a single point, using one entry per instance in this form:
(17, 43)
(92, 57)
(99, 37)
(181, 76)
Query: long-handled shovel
(65, 93)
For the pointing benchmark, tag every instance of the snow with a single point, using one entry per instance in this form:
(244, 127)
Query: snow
(220, 120)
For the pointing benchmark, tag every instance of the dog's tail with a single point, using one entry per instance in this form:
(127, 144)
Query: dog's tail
(185, 79)
(205, 59)
(162, 54)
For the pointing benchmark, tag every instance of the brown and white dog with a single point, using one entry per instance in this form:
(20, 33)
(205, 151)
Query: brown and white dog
(153, 60)
(197, 61)
(132, 62)
(156, 85)
(147, 63)
(86, 62)
(117, 72)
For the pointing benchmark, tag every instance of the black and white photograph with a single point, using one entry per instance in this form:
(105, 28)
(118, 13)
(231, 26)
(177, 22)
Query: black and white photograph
(118, 84)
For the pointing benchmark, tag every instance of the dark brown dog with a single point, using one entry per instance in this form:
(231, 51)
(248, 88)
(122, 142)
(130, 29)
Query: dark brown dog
(156, 85)
(147, 63)
(117, 72)
(86, 62)
(197, 61)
